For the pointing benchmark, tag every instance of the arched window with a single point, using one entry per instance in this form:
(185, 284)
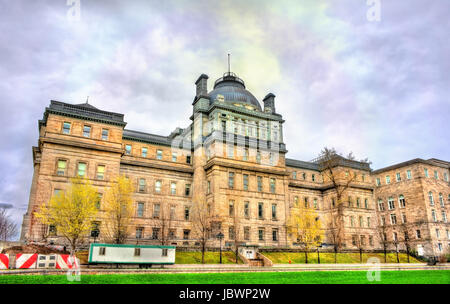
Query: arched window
(430, 197)
(401, 201)
(441, 199)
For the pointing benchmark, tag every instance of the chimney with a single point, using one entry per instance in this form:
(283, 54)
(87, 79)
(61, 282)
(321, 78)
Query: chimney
(202, 85)
(269, 103)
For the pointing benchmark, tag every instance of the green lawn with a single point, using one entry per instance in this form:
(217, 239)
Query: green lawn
(313, 277)
(228, 257)
(328, 258)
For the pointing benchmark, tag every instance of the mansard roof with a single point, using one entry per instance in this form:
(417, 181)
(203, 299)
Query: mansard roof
(301, 164)
(156, 139)
(431, 162)
(82, 111)
(338, 161)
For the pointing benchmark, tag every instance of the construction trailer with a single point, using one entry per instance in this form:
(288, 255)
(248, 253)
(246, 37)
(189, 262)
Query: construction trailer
(141, 255)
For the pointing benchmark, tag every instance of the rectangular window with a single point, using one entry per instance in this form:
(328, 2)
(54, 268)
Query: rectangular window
(140, 209)
(361, 221)
(433, 215)
(378, 181)
(272, 185)
(393, 219)
(315, 203)
(306, 202)
(164, 252)
(275, 235)
(188, 159)
(128, 149)
(105, 134)
(388, 179)
(231, 180)
(174, 156)
(172, 212)
(425, 172)
(261, 234)
(66, 128)
(294, 175)
(366, 203)
(358, 203)
(261, 211)
(370, 240)
(99, 201)
(403, 218)
(231, 208)
(87, 131)
(444, 216)
(438, 233)
(245, 154)
(408, 174)
(436, 175)
(102, 251)
(398, 177)
(247, 209)
(391, 203)
(258, 157)
(144, 152)
(446, 176)
(352, 221)
(274, 211)
(156, 210)
(141, 185)
(137, 251)
(418, 234)
(247, 233)
(368, 222)
(159, 154)
(139, 232)
(52, 230)
(158, 186)
(62, 164)
(100, 172)
(245, 179)
(259, 178)
(187, 189)
(313, 177)
(155, 233)
(208, 190)
(186, 213)
(173, 188)
(395, 237)
(231, 232)
(81, 169)
(186, 234)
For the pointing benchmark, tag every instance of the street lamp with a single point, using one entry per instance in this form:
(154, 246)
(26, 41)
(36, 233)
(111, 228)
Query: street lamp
(220, 237)
(94, 234)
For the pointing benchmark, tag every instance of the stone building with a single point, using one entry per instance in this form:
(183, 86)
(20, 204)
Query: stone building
(232, 156)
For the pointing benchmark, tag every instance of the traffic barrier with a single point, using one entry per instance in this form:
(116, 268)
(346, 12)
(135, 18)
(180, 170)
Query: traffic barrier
(26, 261)
(64, 262)
(4, 261)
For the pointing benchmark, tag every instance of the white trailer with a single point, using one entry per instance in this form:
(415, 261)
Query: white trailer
(131, 254)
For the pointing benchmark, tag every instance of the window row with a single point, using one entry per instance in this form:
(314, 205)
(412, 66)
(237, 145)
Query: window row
(236, 152)
(306, 202)
(80, 170)
(304, 176)
(391, 203)
(261, 210)
(159, 154)
(367, 223)
(143, 187)
(246, 183)
(360, 240)
(87, 130)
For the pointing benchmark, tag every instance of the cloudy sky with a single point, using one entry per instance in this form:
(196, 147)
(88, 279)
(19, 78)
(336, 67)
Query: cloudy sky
(379, 89)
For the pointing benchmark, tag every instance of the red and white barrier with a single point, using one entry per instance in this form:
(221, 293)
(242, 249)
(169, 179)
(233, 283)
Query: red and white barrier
(26, 261)
(63, 261)
(4, 261)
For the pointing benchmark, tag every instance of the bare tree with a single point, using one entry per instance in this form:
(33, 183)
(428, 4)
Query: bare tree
(328, 161)
(201, 224)
(237, 233)
(164, 222)
(8, 229)
(404, 230)
(382, 236)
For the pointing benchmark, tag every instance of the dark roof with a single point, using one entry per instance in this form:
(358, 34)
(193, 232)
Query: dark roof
(232, 88)
(82, 111)
(146, 137)
(301, 164)
(431, 162)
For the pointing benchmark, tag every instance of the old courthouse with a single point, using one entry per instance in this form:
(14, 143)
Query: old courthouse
(233, 156)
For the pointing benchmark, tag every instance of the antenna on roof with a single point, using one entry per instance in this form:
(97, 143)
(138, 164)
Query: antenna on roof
(229, 63)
